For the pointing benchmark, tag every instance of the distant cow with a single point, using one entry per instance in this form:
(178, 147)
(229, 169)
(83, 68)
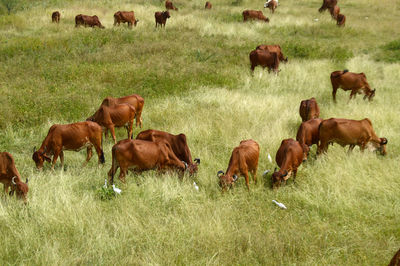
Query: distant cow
(161, 18)
(346, 80)
(208, 5)
(178, 144)
(307, 134)
(309, 109)
(265, 59)
(274, 49)
(142, 155)
(335, 11)
(341, 20)
(73, 137)
(396, 259)
(326, 4)
(244, 159)
(125, 16)
(350, 132)
(289, 157)
(254, 14)
(170, 5)
(120, 115)
(10, 177)
(91, 21)
(55, 17)
(271, 4)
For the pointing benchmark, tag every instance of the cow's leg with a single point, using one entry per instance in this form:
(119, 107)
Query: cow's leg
(353, 94)
(129, 129)
(56, 153)
(62, 159)
(322, 147)
(294, 175)
(246, 176)
(112, 129)
(351, 148)
(334, 90)
(122, 173)
(89, 154)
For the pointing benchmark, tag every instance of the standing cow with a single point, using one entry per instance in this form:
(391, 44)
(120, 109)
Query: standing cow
(125, 16)
(265, 59)
(208, 5)
(356, 82)
(55, 17)
(161, 18)
(307, 134)
(254, 15)
(309, 109)
(274, 49)
(327, 4)
(91, 21)
(170, 5)
(271, 4)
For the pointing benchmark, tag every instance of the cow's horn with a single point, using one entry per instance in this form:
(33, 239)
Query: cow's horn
(186, 165)
(34, 149)
(197, 160)
(27, 181)
(286, 173)
(384, 141)
(275, 169)
(220, 172)
(12, 180)
(235, 177)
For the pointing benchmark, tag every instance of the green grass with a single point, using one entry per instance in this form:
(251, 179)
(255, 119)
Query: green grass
(195, 78)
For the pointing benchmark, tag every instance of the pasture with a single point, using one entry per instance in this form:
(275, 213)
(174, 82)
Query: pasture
(195, 78)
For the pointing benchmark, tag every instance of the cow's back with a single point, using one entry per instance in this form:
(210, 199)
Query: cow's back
(343, 131)
(250, 150)
(290, 149)
(6, 164)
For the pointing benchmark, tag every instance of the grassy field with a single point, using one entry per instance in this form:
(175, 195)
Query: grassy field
(195, 78)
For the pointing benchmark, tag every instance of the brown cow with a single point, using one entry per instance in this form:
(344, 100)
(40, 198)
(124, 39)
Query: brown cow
(125, 16)
(120, 115)
(208, 5)
(309, 109)
(254, 14)
(351, 81)
(349, 132)
(326, 4)
(143, 155)
(161, 18)
(178, 144)
(244, 159)
(264, 58)
(307, 134)
(91, 21)
(335, 11)
(341, 20)
(289, 157)
(55, 17)
(170, 5)
(271, 5)
(73, 137)
(10, 177)
(396, 259)
(274, 49)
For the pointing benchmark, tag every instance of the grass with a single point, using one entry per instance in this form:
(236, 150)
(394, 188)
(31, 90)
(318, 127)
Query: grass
(195, 79)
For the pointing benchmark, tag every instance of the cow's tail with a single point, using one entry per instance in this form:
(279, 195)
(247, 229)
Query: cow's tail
(102, 158)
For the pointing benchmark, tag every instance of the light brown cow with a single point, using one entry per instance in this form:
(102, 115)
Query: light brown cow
(208, 5)
(349, 132)
(326, 4)
(125, 16)
(309, 109)
(55, 17)
(265, 59)
(271, 5)
(254, 15)
(244, 159)
(307, 134)
(274, 49)
(161, 18)
(91, 21)
(170, 5)
(356, 82)
(10, 177)
(396, 259)
(73, 137)
(335, 11)
(341, 20)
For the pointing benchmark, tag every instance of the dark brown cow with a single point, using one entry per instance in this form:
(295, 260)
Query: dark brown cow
(55, 17)
(307, 134)
(265, 59)
(125, 16)
(244, 159)
(289, 157)
(396, 259)
(341, 20)
(274, 49)
(170, 5)
(349, 132)
(73, 137)
(120, 115)
(309, 109)
(356, 82)
(208, 5)
(326, 4)
(161, 18)
(142, 155)
(10, 177)
(271, 5)
(255, 15)
(91, 21)
(335, 11)
(178, 144)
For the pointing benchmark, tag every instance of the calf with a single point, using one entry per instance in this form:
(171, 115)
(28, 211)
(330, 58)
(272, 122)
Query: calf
(351, 81)
(161, 18)
(170, 5)
(309, 109)
(264, 58)
(73, 137)
(335, 11)
(254, 14)
(271, 4)
(208, 5)
(307, 134)
(244, 159)
(274, 49)
(91, 21)
(55, 17)
(327, 4)
(10, 177)
(125, 16)
(341, 20)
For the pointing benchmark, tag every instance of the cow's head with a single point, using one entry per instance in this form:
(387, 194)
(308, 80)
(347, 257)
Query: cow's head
(371, 95)
(382, 146)
(166, 14)
(20, 188)
(277, 178)
(193, 167)
(39, 157)
(226, 181)
(266, 20)
(136, 21)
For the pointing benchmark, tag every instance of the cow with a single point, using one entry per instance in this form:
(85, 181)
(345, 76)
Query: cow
(335, 11)
(91, 21)
(120, 115)
(73, 137)
(326, 4)
(55, 17)
(161, 18)
(254, 14)
(208, 5)
(309, 109)
(289, 157)
(307, 134)
(396, 259)
(349, 132)
(178, 144)
(273, 49)
(356, 82)
(341, 20)
(264, 58)
(170, 5)
(143, 155)
(125, 16)
(10, 177)
(244, 159)
(271, 4)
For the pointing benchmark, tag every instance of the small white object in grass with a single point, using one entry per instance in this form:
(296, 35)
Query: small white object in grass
(105, 183)
(266, 172)
(196, 186)
(116, 190)
(281, 205)
(269, 158)
(366, 17)
(316, 19)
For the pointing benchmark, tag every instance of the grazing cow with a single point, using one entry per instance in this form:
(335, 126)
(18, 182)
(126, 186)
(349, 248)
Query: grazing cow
(10, 177)
(177, 142)
(208, 5)
(120, 115)
(307, 134)
(91, 21)
(309, 109)
(55, 17)
(350, 132)
(73, 137)
(351, 81)
(274, 49)
(326, 4)
(271, 4)
(396, 259)
(143, 155)
(335, 11)
(125, 16)
(244, 159)
(170, 5)
(161, 18)
(254, 14)
(289, 157)
(264, 58)
(341, 20)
